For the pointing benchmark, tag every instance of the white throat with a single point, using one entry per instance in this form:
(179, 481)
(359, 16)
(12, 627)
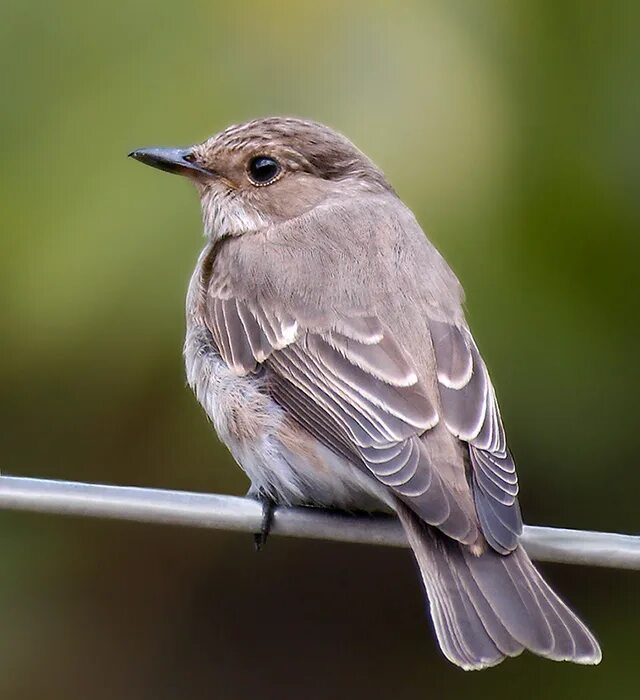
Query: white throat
(225, 214)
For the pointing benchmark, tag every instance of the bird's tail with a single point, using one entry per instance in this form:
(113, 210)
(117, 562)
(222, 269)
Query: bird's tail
(485, 608)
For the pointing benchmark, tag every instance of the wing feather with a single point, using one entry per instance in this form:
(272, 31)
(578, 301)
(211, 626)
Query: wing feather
(256, 338)
(358, 428)
(241, 353)
(408, 403)
(383, 359)
(470, 411)
(349, 383)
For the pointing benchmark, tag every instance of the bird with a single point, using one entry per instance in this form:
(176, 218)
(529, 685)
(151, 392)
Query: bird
(327, 342)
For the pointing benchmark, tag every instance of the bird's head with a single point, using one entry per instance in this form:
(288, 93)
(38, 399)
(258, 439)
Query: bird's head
(267, 171)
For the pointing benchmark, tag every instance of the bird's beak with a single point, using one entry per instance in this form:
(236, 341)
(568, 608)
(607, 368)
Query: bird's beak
(173, 160)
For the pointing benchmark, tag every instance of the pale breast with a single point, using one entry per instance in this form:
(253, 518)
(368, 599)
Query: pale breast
(239, 408)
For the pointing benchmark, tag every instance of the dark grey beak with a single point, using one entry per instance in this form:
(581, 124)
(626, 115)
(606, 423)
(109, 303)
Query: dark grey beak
(180, 161)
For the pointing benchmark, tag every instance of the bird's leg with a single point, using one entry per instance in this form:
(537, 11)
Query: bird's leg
(268, 507)
(260, 538)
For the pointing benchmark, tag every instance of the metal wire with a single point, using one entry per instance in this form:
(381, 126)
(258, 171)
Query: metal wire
(245, 515)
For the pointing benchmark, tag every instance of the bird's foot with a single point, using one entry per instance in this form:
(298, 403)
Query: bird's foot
(268, 507)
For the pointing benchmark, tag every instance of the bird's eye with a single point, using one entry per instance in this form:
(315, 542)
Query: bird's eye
(263, 170)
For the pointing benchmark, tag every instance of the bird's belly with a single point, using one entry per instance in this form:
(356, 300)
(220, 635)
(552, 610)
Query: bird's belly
(280, 458)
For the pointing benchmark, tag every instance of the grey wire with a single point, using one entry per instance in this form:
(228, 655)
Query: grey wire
(245, 515)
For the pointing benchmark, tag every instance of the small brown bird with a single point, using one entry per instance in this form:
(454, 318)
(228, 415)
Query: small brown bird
(327, 342)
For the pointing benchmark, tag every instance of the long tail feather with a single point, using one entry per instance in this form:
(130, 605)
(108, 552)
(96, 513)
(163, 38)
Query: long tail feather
(485, 608)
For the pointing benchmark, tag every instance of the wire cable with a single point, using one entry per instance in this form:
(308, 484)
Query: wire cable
(245, 515)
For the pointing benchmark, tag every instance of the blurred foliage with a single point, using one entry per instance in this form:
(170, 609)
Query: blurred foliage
(510, 128)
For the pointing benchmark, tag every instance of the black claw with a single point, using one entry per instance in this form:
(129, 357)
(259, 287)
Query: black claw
(260, 538)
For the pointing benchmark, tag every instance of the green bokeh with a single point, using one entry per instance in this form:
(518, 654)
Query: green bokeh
(510, 128)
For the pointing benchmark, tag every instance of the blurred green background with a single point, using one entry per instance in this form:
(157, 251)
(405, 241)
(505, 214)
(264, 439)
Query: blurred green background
(512, 129)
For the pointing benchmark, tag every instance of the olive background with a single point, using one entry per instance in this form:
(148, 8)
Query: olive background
(511, 129)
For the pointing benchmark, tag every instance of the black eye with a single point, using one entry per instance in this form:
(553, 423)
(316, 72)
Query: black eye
(263, 170)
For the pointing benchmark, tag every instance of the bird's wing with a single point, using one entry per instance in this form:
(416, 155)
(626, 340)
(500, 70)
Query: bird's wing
(470, 411)
(351, 385)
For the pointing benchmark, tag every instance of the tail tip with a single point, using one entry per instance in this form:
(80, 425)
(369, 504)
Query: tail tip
(589, 658)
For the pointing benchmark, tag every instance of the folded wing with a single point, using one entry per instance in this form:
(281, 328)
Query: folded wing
(351, 385)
